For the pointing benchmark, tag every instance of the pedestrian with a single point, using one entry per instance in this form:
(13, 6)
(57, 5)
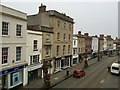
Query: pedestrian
(108, 68)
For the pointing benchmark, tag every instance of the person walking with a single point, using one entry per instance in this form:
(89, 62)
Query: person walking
(86, 62)
(108, 68)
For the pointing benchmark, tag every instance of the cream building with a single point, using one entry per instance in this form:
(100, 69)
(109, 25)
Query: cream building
(61, 51)
(13, 62)
(101, 42)
(81, 45)
(109, 44)
(95, 43)
(75, 50)
(34, 54)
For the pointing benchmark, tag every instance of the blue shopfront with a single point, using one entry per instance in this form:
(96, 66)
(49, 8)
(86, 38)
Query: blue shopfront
(12, 77)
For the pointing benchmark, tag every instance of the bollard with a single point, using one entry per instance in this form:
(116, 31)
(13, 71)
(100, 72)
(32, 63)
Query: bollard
(67, 73)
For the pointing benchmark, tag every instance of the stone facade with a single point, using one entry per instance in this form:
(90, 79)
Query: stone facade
(88, 43)
(75, 50)
(34, 54)
(13, 48)
(81, 45)
(62, 38)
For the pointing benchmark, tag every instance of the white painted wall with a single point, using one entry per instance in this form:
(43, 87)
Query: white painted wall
(105, 44)
(95, 44)
(25, 76)
(114, 46)
(76, 40)
(12, 41)
(31, 36)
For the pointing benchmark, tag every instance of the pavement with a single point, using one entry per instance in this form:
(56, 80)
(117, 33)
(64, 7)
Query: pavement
(59, 76)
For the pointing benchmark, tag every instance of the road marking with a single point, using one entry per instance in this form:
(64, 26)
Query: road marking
(108, 61)
(102, 81)
(56, 78)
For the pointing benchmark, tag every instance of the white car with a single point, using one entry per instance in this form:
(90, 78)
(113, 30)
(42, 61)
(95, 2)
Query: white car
(115, 68)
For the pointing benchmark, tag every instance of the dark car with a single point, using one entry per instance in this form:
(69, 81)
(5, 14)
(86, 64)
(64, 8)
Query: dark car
(78, 73)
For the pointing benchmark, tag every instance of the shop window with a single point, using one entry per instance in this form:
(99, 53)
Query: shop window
(74, 60)
(16, 78)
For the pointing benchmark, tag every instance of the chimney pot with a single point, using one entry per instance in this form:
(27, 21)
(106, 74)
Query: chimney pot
(79, 32)
(42, 8)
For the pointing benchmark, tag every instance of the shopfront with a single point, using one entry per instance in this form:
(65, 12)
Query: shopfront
(35, 72)
(66, 62)
(75, 60)
(13, 77)
(57, 64)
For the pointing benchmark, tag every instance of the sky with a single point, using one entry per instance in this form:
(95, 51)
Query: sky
(90, 16)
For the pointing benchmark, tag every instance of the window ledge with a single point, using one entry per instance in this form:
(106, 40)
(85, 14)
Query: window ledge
(35, 50)
(5, 36)
(17, 61)
(19, 37)
(47, 55)
(5, 64)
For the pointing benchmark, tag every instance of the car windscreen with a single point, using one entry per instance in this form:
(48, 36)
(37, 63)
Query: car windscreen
(116, 68)
(76, 72)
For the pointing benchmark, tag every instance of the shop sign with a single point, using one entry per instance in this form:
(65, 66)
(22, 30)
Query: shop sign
(12, 70)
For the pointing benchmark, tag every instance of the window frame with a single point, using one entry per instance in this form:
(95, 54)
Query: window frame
(58, 47)
(64, 37)
(47, 49)
(5, 28)
(32, 59)
(18, 30)
(19, 53)
(35, 45)
(3, 56)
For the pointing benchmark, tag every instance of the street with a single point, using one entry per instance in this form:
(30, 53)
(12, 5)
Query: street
(96, 77)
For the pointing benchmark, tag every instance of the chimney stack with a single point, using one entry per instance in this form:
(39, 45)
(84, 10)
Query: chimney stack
(108, 36)
(86, 34)
(42, 8)
(96, 36)
(101, 36)
(79, 32)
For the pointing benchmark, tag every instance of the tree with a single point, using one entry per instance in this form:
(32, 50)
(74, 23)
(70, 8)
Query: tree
(46, 76)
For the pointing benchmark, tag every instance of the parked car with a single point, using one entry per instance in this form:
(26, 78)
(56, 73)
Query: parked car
(78, 73)
(115, 68)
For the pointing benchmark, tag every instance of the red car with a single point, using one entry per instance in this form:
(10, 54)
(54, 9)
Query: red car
(78, 73)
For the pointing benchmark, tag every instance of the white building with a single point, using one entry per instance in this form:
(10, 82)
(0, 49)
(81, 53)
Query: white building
(95, 44)
(114, 46)
(105, 44)
(13, 63)
(34, 54)
(75, 50)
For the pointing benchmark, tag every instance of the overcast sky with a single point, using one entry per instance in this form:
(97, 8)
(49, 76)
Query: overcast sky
(92, 16)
